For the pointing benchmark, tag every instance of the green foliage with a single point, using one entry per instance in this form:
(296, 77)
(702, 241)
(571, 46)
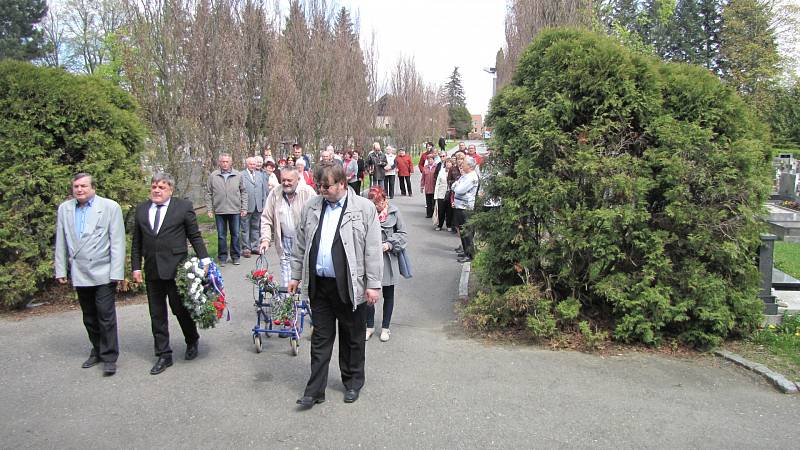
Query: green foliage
(19, 38)
(784, 117)
(591, 338)
(629, 185)
(460, 119)
(781, 341)
(53, 125)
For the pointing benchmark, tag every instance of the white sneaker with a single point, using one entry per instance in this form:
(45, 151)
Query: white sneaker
(385, 334)
(370, 332)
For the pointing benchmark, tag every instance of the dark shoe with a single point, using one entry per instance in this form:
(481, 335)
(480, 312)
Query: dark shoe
(351, 395)
(464, 259)
(161, 365)
(459, 249)
(92, 361)
(109, 368)
(246, 254)
(235, 262)
(460, 254)
(452, 230)
(191, 351)
(308, 401)
(437, 228)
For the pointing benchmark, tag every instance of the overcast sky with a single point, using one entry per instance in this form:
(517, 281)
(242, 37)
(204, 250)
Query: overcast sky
(439, 34)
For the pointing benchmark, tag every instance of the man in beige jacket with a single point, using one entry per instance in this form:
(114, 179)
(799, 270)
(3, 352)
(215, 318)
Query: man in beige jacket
(281, 216)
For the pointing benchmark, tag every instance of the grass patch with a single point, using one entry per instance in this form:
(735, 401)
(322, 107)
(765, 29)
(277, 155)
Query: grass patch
(777, 347)
(787, 257)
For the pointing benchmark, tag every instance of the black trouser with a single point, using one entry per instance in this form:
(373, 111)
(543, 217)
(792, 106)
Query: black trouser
(326, 309)
(445, 212)
(465, 233)
(388, 307)
(100, 319)
(405, 181)
(157, 293)
(356, 185)
(429, 205)
(389, 182)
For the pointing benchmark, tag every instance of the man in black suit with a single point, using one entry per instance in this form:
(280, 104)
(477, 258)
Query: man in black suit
(162, 226)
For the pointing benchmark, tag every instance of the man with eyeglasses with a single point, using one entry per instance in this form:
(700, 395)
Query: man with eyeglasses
(338, 255)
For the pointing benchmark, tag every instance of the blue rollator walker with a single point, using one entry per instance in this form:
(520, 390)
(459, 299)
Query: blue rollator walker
(269, 301)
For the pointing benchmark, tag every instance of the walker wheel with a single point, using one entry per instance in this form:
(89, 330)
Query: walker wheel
(295, 346)
(257, 341)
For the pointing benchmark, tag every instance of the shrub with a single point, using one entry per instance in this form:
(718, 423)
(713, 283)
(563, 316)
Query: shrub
(53, 125)
(627, 184)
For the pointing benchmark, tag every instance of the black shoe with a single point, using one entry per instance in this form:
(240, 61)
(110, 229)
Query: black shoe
(161, 365)
(235, 262)
(460, 254)
(92, 361)
(437, 228)
(191, 351)
(308, 401)
(351, 395)
(459, 249)
(109, 368)
(463, 259)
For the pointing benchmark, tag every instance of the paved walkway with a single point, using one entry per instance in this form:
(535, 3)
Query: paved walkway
(429, 387)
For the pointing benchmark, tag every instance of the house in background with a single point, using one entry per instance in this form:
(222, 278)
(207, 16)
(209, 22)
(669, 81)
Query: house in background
(477, 127)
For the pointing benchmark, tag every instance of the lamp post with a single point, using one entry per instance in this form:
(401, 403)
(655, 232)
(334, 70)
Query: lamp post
(493, 72)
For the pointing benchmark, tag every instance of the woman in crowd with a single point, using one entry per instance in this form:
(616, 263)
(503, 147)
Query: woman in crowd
(404, 170)
(305, 175)
(391, 171)
(272, 178)
(442, 196)
(351, 170)
(452, 175)
(428, 183)
(393, 238)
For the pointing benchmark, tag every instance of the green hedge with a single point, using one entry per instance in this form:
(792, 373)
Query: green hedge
(629, 184)
(53, 125)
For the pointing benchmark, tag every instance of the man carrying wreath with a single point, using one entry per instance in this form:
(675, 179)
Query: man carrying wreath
(162, 226)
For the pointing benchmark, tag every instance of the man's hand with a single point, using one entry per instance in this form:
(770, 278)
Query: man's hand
(62, 280)
(292, 287)
(385, 246)
(137, 276)
(243, 213)
(210, 215)
(263, 247)
(372, 296)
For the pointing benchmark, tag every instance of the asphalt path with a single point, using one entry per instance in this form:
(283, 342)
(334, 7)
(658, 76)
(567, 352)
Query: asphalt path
(428, 387)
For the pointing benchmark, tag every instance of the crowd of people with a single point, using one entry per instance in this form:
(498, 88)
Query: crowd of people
(451, 184)
(346, 246)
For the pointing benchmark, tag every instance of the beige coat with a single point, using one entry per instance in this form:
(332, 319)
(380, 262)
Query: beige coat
(271, 219)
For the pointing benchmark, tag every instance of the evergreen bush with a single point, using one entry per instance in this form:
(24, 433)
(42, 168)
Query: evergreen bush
(629, 185)
(53, 125)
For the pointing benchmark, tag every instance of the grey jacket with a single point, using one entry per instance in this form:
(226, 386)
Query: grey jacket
(257, 189)
(273, 208)
(361, 238)
(98, 256)
(393, 232)
(226, 196)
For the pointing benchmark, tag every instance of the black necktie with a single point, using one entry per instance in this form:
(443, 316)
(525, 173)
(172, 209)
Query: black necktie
(157, 220)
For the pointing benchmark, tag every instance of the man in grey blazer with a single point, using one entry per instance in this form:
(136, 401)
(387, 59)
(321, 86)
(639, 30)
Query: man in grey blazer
(90, 249)
(257, 187)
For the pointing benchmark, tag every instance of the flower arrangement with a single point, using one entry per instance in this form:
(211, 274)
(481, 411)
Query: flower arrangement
(283, 310)
(202, 292)
(263, 279)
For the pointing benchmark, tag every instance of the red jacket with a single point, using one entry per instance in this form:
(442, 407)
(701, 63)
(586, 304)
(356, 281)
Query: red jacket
(404, 165)
(422, 159)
